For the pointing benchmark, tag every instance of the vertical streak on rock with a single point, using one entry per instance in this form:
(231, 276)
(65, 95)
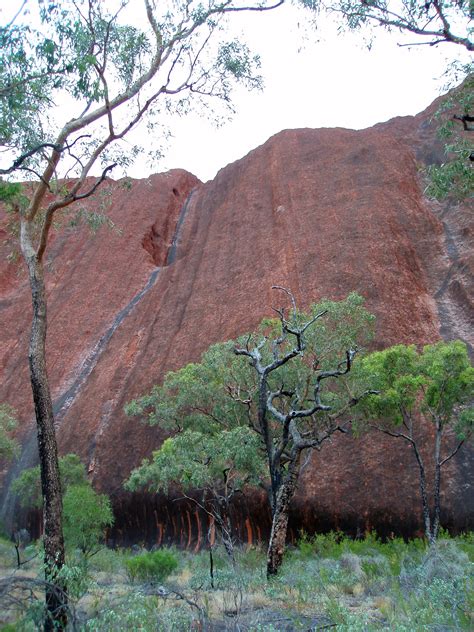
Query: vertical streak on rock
(188, 516)
(172, 252)
(249, 532)
(29, 455)
(199, 532)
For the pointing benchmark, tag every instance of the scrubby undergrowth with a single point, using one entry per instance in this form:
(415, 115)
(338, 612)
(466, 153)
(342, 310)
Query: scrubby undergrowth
(327, 582)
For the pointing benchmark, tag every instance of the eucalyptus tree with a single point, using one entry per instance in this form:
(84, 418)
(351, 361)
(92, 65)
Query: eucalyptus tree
(109, 76)
(286, 396)
(211, 465)
(299, 410)
(435, 386)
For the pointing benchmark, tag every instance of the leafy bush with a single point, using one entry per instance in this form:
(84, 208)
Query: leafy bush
(28, 485)
(155, 566)
(139, 612)
(86, 516)
(108, 561)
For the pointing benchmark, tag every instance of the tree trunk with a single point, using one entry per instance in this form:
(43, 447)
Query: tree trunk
(224, 525)
(56, 597)
(437, 485)
(276, 546)
(424, 495)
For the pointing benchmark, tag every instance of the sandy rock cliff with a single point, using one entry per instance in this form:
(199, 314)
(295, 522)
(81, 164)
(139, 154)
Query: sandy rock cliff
(324, 212)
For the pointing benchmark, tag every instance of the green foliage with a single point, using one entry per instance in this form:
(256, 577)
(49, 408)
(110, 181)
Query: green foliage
(362, 584)
(214, 404)
(140, 612)
(8, 445)
(84, 53)
(9, 191)
(198, 460)
(28, 485)
(438, 382)
(77, 579)
(455, 176)
(154, 566)
(86, 514)
(217, 393)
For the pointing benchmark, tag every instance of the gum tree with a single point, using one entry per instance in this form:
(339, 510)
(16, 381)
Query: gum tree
(109, 75)
(290, 395)
(215, 462)
(435, 386)
(296, 412)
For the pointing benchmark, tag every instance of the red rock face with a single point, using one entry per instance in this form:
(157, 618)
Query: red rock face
(323, 212)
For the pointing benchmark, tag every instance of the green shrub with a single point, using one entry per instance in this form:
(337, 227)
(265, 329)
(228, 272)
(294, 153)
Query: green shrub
(28, 485)
(86, 515)
(108, 561)
(322, 544)
(155, 566)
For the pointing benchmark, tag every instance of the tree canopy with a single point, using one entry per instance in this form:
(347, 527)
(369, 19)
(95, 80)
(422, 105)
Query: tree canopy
(437, 382)
(111, 74)
(432, 22)
(221, 393)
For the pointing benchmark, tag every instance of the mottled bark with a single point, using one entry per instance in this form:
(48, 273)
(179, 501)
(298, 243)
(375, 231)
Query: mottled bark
(276, 546)
(225, 528)
(424, 493)
(56, 597)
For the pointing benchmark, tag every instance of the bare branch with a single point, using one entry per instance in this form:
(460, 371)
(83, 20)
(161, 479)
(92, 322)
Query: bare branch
(66, 201)
(290, 294)
(465, 120)
(39, 148)
(379, 13)
(453, 453)
(391, 433)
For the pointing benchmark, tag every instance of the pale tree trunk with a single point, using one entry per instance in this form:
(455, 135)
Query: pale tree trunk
(437, 484)
(424, 497)
(224, 524)
(56, 597)
(276, 546)
(226, 534)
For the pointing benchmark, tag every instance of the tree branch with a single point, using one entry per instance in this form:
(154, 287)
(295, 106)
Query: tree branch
(453, 453)
(66, 201)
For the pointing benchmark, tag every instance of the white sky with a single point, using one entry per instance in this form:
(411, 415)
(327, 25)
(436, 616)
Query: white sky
(336, 82)
(313, 78)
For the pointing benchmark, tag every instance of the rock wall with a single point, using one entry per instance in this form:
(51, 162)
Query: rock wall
(324, 212)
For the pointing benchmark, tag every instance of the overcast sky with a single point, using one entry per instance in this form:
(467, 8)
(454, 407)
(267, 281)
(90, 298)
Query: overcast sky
(333, 82)
(313, 78)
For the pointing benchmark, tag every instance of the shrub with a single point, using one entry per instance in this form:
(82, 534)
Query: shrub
(155, 566)
(86, 516)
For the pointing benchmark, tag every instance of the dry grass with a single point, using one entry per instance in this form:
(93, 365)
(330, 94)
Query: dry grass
(350, 585)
